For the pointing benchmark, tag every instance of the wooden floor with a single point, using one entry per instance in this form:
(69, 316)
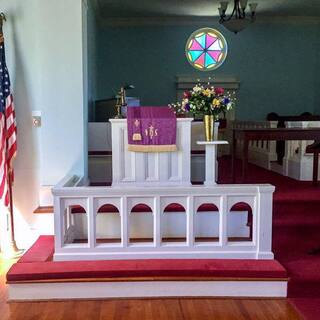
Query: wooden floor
(168, 309)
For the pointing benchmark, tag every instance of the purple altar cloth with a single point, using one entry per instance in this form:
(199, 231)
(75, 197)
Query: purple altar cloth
(151, 129)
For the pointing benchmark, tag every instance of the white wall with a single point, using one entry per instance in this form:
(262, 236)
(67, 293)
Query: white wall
(45, 57)
(62, 101)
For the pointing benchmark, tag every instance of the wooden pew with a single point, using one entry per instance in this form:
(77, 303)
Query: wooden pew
(273, 116)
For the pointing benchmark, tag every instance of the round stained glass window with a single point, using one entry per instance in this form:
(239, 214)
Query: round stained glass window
(206, 49)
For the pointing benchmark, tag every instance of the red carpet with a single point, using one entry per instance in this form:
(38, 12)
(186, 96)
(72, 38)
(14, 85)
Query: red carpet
(296, 230)
(36, 265)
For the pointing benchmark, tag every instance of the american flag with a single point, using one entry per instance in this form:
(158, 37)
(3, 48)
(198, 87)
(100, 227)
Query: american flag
(8, 128)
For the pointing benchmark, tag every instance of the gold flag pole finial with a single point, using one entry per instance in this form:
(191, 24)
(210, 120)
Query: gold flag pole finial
(2, 18)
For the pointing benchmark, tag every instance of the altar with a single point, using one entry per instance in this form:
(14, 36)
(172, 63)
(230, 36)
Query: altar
(152, 210)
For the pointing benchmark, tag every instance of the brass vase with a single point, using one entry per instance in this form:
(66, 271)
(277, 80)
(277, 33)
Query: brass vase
(208, 122)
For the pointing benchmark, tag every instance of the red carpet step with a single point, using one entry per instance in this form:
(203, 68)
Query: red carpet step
(35, 265)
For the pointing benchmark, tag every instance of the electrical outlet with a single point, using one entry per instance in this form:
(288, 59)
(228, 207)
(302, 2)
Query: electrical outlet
(36, 120)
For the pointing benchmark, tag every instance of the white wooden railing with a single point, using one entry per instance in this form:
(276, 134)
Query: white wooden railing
(70, 192)
(261, 153)
(297, 163)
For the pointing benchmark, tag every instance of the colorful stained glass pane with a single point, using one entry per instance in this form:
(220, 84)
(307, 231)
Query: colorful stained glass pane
(195, 45)
(215, 46)
(198, 66)
(195, 54)
(214, 54)
(202, 40)
(206, 49)
(200, 60)
(210, 40)
(209, 60)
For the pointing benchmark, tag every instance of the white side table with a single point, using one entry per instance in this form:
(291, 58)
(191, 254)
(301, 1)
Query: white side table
(211, 160)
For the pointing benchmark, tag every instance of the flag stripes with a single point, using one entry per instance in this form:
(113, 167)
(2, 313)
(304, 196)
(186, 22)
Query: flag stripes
(8, 129)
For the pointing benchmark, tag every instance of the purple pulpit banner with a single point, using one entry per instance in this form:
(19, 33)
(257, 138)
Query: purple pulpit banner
(151, 129)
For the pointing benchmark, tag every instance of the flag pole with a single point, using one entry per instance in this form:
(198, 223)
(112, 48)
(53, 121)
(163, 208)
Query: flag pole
(13, 251)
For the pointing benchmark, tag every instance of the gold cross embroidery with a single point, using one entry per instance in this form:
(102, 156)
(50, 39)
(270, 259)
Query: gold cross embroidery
(137, 123)
(151, 132)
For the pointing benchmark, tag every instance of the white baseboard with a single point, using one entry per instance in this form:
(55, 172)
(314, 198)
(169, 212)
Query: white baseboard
(145, 289)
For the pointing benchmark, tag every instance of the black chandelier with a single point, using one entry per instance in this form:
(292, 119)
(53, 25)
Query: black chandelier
(238, 20)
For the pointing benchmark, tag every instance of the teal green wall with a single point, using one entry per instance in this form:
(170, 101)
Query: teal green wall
(276, 64)
(92, 47)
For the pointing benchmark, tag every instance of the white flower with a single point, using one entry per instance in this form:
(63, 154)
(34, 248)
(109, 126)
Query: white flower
(197, 89)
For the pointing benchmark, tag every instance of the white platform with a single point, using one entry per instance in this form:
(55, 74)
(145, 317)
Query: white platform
(146, 289)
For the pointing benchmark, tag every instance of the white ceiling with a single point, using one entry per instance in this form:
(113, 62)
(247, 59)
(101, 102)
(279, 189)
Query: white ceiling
(199, 8)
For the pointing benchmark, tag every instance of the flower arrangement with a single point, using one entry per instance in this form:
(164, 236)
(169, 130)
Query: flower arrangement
(205, 100)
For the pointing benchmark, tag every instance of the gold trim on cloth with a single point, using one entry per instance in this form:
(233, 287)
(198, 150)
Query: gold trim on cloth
(152, 148)
(136, 137)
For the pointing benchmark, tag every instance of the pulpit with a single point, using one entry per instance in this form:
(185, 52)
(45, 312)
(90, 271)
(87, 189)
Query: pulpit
(150, 169)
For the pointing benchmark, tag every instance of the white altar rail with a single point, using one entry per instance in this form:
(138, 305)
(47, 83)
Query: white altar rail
(70, 193)
(261, 153)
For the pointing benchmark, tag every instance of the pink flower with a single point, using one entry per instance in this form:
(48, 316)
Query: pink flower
(187, 94)
(218, 91)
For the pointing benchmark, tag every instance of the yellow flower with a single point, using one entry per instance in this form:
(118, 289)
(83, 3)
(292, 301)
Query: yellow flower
(216, 102)
(207, 92)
